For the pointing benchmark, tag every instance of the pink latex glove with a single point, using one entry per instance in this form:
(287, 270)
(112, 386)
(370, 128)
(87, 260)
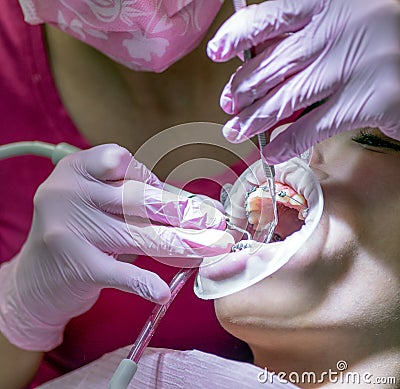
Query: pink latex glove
(78, 230)
(307, 50)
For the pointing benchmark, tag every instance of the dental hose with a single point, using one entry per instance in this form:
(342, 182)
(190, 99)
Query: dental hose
(128, 366)
(41, 149)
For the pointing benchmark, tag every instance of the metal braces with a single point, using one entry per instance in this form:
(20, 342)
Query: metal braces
(243, 244)
(304, 211)
(247, 243)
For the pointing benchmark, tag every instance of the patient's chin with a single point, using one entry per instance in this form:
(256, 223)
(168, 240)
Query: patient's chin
(286, 299)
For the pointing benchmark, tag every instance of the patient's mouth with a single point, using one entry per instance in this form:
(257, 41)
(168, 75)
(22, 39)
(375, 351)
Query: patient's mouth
(288, 223)
(299, 204)
(291, 206)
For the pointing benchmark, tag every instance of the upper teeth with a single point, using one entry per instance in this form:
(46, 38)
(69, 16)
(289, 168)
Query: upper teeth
(297, 199)
(285, 195)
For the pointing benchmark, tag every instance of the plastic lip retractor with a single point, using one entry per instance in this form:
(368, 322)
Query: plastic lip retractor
(225, 274)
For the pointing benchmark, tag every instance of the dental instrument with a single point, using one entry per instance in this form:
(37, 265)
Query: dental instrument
(269, 171)
(263, 140)
(128, 366)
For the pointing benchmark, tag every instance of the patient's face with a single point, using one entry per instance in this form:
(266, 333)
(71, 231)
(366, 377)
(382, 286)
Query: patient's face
(347, 275)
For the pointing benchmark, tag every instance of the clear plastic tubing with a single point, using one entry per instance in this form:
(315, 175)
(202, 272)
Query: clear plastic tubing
(158, 312)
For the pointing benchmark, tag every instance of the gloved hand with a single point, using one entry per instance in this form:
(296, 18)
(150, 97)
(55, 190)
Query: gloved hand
(347, 51)
(78, 230)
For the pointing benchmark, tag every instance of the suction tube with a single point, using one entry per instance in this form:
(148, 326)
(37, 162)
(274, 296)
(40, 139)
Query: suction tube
(128, 366)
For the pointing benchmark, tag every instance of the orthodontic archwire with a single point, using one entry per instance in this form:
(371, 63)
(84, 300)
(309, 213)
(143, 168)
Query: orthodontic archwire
(283, 194)
(269, 170)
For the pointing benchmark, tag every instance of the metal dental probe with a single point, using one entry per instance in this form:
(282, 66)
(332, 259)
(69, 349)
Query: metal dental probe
(269, 170)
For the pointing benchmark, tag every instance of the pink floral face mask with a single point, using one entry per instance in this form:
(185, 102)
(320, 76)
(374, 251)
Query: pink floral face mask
(147, 35)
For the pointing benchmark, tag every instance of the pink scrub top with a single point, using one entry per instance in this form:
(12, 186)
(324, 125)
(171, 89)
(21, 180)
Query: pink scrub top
(31, 109)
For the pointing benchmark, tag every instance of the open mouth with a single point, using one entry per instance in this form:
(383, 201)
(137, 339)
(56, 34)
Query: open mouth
(288, 223)
(299, 205)
(291, 206)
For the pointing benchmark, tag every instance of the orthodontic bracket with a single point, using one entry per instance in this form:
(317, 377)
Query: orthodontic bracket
(243, 244)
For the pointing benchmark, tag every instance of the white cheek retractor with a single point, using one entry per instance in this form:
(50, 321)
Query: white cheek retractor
(250, 260)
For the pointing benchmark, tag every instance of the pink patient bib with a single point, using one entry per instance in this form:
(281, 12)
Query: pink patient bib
(145, 35)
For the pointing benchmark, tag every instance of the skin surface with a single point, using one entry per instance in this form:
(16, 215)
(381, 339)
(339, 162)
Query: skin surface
(338, 297)
(15, 374)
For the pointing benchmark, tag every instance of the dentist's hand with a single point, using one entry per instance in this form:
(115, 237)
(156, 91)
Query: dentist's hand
(347, 51)
(85, 215)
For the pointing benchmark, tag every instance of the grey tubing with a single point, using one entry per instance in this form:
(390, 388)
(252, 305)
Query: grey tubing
(61, 150)
(123, 375)
(42, 149)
